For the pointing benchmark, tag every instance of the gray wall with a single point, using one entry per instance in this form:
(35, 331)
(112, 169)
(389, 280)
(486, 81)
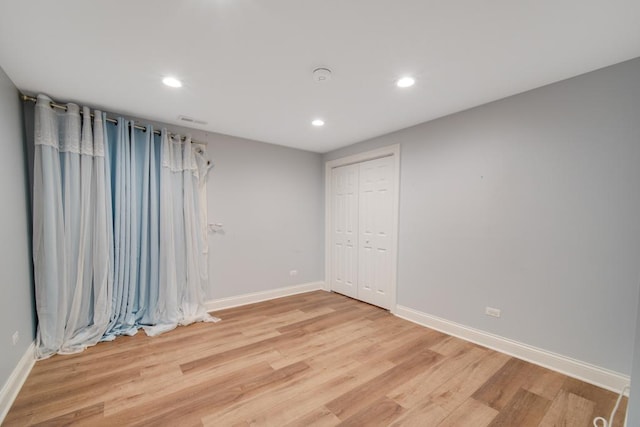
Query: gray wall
(16, 301)
(530, 204)
(270, 200)
(634, 398)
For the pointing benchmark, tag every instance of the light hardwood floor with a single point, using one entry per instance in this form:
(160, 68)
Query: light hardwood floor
(311, 359)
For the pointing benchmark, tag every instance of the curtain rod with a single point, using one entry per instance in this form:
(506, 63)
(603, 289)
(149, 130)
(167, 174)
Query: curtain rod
(26, 98)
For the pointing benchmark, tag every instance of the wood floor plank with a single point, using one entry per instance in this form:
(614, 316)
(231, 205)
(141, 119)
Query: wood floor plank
(381, 413)
(360, 397)
(546, 383)
(400, 353)
(452, 345)
(525, 409)
(321, 417)
(471, 413)
(569, 410)
(288, 405)
(280, 320)
(271, 407)
(323, 321)
(89, 415)
(63, 400)
(425, 413)
(322, 342)
(144, 390)
(309, 359)
(465, 383)
(182, 392)
(191, 406)
(216, 359)
(604, 400)
(504, 384)
(452, 381)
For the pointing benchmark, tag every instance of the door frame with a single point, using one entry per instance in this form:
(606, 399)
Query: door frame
(389, 151)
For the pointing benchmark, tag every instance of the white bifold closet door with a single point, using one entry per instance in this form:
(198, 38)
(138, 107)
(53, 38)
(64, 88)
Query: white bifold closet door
(362, 220)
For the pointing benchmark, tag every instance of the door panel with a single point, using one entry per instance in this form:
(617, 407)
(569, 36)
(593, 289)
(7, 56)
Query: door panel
(376, 216)
(345, 236)
(362, 221)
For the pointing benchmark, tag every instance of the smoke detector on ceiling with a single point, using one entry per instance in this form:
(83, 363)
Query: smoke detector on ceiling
(322, 74)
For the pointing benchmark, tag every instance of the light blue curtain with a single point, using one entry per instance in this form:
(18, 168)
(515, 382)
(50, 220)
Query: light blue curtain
(118, 229)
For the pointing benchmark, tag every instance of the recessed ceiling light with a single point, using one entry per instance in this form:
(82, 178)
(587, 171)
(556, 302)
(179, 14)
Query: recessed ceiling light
(405, 82)
(318, 122)
(172, 82)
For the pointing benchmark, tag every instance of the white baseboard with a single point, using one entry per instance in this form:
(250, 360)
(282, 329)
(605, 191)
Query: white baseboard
(583, 371)
(235, 301)
(15, 381)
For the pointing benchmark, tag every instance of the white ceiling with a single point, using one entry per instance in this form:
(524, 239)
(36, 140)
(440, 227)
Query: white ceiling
(246, 64)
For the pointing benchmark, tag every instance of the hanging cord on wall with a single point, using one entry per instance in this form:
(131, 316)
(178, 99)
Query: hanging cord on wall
(609, 423)
(26, 98)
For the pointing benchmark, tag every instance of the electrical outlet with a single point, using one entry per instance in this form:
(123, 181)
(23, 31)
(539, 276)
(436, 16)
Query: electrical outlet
(293, 273)
(493, 312)
(15, 338)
